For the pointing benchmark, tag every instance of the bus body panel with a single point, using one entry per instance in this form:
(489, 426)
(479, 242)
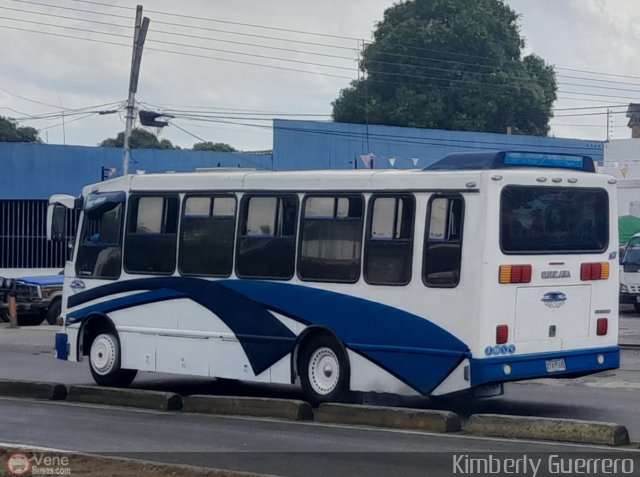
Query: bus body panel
(409, 339)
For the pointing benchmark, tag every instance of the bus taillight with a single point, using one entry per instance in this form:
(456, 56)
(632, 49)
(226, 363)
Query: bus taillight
(515, 273)
(594, 271)
(602, 326)
(502, 334)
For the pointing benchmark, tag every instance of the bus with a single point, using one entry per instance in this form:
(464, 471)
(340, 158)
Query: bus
(482, 269)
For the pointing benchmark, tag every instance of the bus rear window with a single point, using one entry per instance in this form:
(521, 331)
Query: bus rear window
(550, 220)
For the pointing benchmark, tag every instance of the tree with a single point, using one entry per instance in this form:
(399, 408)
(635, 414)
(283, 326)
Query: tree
(450, 64)
(213, 146)
(10, 132)
(140, 139)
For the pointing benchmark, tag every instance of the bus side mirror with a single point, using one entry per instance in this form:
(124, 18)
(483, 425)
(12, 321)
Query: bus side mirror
(57, 215)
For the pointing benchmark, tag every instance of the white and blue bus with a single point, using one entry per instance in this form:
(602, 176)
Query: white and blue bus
(482, 269)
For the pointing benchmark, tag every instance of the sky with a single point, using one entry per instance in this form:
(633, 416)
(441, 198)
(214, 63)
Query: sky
(225, 68)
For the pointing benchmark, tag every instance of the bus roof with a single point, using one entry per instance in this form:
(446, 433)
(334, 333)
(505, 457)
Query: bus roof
(512, 159)
(232, 180)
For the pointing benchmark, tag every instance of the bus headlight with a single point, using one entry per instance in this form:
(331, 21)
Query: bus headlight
(623, 288)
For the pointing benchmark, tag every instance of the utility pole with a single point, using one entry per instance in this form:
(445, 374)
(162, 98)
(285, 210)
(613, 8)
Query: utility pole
(139, 36)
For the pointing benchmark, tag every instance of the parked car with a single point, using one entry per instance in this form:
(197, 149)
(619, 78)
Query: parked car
(630, 273)
(38, 298)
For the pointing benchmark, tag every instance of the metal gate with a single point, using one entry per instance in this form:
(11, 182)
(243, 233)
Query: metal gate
(23, 238)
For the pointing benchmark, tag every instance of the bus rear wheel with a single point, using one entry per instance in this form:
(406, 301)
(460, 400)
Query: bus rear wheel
(104, 361)
(324, 370)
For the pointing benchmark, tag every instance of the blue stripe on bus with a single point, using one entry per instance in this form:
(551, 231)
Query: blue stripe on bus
(116, 304)
(243, 316)
(415, 350)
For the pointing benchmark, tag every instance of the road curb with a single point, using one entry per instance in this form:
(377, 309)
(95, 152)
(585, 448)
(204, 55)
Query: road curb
(155, 400)
(290, 409)
(397, 418)
(33, 389)
(567, 430)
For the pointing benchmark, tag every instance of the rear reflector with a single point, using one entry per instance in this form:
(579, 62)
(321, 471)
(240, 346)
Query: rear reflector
(502, 334)
(594, 271)
(515, 274)
(602, 326)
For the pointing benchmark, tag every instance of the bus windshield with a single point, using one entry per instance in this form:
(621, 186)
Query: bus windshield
(546, 220)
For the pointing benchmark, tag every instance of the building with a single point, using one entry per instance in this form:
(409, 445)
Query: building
(32, 172)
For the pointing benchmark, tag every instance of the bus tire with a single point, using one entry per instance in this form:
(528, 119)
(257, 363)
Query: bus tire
(104, 362)
(324, 370)
(54, 312)
(637, 307)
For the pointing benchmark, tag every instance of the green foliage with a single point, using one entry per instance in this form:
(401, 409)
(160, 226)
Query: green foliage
(10, 132)
(213, 146)
(140, 139)
(450, 64)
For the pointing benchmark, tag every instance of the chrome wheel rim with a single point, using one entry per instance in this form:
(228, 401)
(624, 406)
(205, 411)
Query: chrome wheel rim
(103, 354)
(324, 371)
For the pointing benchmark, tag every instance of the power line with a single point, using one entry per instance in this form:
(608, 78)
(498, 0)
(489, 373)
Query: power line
(316, 64)
(29, 2)
(187, 132)
(251, 25)
(63, 17)
(283, 59)
(160, 22)
(271, 66)
(66, 122)
(199, 37)
(484, 58)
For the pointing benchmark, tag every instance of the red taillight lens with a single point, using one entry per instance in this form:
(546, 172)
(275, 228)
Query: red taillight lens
(602, 326)
(594, 271)
(515, 274)
(502, 334)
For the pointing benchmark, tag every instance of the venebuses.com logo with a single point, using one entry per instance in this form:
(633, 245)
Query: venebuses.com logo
(19, 463)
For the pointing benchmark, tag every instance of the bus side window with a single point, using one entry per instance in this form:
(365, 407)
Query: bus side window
(443, 242)
(151, 240)
(207, 235)
(389, 247)
(331, 239)
(266, 240)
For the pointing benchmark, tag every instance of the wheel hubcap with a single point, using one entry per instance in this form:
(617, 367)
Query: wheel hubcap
(324, 371)
(103, 354)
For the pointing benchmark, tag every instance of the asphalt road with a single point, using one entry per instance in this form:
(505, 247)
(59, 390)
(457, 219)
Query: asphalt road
(612, 396)
(258, 445)
(282, 448)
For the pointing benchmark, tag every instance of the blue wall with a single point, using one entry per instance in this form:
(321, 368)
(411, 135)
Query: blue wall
(326, 145)
(35, 171)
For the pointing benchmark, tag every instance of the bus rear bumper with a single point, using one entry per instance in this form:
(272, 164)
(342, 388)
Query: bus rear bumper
(559, 364)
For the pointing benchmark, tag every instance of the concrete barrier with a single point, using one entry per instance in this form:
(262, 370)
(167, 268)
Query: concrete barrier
(568, 430)
(32, 389)
(398, 418)
(249, 406)
(155, 400)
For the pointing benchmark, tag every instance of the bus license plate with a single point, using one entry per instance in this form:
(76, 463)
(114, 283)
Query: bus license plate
(556, 365)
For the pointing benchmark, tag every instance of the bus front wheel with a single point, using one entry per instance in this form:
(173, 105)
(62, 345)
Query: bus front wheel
(104, 361)
(324, 370)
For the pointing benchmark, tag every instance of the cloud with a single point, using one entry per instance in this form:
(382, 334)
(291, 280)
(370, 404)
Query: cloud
(594, 35)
